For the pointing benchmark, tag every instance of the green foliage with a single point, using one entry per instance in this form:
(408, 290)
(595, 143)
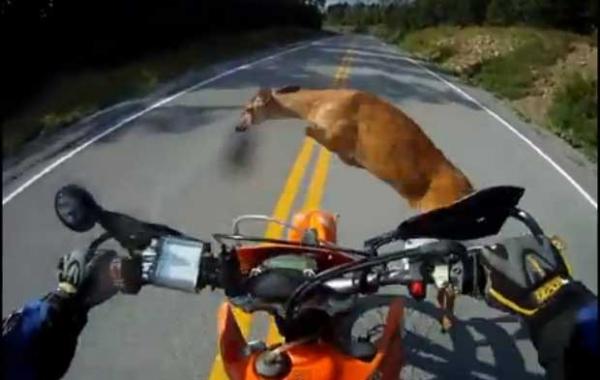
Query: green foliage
(359, 14)
(426, 43)
(405, 16)
(422, 26)
(360, 28)
(443, 53)
(500, 12)
(510, 75)
(45, 38)
(513, 74)
(573, 114)
(77, 94)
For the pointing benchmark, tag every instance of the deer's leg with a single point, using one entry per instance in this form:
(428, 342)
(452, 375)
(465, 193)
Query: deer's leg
(339, 138)
(319, 135)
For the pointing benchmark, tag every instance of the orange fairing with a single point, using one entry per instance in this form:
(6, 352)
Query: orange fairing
(324, 361)
(231, 344)
(317, 361)
(323, 222)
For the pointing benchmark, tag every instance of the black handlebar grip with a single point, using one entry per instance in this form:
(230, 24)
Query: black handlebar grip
(474, 277)
(231, 275)
(126, 274)
(210, 273)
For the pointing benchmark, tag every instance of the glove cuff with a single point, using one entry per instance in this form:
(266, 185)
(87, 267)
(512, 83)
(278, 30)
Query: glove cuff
(551, 327)
(69, 306)
(66, 287)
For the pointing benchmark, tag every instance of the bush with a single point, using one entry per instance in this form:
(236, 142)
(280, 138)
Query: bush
(427, 43)
(360, 28)
(573, 114)
(381, 31)
(406, 16)
(512, 75)
(443, 53)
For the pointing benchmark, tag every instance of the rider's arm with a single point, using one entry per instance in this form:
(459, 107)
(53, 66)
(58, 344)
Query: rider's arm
(566, 333)
(39, 340)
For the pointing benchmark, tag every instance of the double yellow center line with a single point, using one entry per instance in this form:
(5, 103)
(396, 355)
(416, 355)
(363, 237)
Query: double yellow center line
(284, 205)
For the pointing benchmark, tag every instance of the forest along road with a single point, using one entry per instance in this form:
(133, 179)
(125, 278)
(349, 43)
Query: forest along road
(169, 165)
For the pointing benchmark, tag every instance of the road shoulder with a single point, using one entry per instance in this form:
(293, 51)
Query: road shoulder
(581, 169)
(36, 155)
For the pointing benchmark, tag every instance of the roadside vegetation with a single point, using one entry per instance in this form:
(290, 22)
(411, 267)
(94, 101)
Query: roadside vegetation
(80, 57)
(538, 55)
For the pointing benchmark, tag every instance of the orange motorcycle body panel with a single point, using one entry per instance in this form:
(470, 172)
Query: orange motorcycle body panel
(318, 360)
(323, 222)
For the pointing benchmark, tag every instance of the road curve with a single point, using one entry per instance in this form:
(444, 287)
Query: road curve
(170, 165)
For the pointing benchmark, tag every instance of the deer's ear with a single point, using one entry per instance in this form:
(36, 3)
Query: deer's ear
(287, 89)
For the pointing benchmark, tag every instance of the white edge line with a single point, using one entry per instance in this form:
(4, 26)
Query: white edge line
(126, 120)
(578, 187)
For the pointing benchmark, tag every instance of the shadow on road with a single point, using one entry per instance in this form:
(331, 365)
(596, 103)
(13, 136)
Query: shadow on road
(375, 70)
(432, 354)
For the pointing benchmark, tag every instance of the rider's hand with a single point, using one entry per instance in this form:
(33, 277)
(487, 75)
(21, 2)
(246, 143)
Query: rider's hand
(529, 277)
(87, 279)
(524, 274)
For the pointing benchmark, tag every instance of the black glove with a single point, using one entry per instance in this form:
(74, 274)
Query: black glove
(524, 274)
(87, 279)
(528, 276)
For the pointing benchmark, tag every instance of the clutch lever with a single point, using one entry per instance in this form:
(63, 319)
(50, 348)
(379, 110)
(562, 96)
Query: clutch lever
(94, 245)
(374, 243)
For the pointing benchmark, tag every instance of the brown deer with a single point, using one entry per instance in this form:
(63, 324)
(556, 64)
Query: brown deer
(367, 132)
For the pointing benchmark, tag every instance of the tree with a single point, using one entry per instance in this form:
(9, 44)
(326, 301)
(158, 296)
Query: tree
(500, 12)
(336, 13)
(467, 12)
(592, 15)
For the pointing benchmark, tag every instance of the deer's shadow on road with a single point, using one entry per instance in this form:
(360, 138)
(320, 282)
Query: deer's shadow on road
(430, 354)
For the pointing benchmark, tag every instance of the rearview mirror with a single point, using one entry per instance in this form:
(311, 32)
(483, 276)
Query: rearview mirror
(76, 208)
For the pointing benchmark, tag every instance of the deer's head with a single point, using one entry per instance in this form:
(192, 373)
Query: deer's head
(262, 106)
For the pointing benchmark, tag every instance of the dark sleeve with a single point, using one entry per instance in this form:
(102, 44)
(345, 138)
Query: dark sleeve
(39, 340)
(565, 334)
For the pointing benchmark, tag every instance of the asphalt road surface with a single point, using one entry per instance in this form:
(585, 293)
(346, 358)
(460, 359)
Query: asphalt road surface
(171, 165)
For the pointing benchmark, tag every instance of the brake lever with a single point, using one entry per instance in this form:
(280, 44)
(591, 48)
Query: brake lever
(95, 244)
(446, 297)
(376, 242)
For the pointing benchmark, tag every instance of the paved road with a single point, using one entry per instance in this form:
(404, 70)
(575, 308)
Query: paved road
(170, 165)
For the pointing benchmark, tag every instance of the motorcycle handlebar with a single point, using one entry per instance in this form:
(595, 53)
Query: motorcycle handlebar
(186, 265)
(173, 262)
(422, 267)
